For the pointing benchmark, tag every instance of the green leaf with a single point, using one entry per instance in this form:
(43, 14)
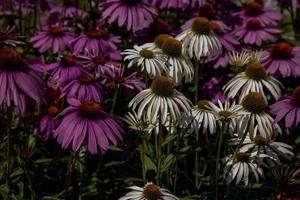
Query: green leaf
(149, 164)
(167, 162)
(169, 138)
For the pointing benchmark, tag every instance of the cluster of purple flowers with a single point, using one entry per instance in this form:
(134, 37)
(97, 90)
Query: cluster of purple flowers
(71, 65)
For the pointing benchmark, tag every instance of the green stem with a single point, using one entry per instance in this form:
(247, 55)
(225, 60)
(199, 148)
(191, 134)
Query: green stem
(114, 100)
(196, 87)
(68, 178)
(197, 160)
(9, 147)
(158, 152)
(218, 157)
(143, 160)
(176, 164)
(30, 184)
(146, 78)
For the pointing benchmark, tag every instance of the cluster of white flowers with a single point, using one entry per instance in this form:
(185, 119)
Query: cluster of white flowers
(168, 61)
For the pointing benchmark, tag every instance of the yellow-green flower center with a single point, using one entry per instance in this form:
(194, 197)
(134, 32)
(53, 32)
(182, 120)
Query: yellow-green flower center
(172, 47)
(296, 97)
(255, 71)
(162, 86)
(203, 104)
(254, 102)
(225, 114)
(152, 192)
(146, 53)
(201, 25)
(159, 40)
(242, 157)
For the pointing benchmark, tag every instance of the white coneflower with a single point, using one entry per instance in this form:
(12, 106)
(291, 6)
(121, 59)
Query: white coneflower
(256, 56)
(200, 41)
(227, 112)
(180, 65)
(254, 79)
(157, 43)
(150, 60)
(138, 124)
(262, 145)
(238, 61)
(149, 192)
(254, 114)
(238, 167)
(161, 100)
(201, 118)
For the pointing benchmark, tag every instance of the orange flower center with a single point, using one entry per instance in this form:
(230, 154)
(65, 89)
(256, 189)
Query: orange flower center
(172, 47)
(208, 11)
(119, 79)
(254, 102)
(296, 96)
(260, 140)
(90, 109)
(254, 24)
(242, 157)
(68, 60)
(162, 86)
(52, 111)
(98, 34)
(99, 60)
(282, 50)
(159, 40)
(255, 71)
(201, 25)
(85, 79)
(56, 31)
(152, 192)
(215, 27)
(10, 60)
(253, 9)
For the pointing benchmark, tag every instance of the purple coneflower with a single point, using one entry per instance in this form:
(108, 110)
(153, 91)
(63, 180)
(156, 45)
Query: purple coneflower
(166, 4)
(131, 84)
(49, 122)
(207, 10)
(253, 32)
(99, 63)
(66, 69)
(56, 37)
(283, 59)
(9, 38)
(18, 83)
(96, 41)
(288, 108)
(135, 15)
(227, 40)
(87, 121)
(84, 88)
(265, 14)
